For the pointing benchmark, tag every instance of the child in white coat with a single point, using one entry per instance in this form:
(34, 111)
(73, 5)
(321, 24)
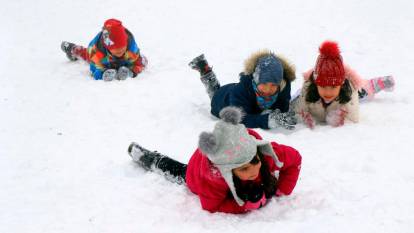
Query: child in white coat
(331, 91)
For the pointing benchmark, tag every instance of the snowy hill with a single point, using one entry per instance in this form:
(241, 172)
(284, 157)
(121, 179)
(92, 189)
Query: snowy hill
(63, 136)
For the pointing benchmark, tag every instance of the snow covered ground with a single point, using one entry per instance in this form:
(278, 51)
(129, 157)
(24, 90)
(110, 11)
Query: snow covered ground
(63, 136)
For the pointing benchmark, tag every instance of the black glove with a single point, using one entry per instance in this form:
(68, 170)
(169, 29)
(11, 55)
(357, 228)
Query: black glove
(286, 120)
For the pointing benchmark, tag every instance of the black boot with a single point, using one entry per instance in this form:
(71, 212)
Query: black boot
(200, 64)
(67, 47)
(147, 159)
(154, 161)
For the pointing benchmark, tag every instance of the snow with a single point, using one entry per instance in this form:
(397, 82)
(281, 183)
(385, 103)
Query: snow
(64, 136)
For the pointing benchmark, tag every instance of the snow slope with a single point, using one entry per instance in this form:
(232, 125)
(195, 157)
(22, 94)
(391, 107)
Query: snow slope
(63, 136)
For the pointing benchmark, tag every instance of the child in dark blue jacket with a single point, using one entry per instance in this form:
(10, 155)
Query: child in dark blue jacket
(263, 91)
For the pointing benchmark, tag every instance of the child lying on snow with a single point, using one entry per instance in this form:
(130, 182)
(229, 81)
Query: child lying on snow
(112, 54)
(332, 90)
(263, 91)
(233, 170)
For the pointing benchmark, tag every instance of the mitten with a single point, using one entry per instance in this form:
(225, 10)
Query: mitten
(124, 73)
(307, 119)
(255, 205)
(337, 117)
(286, 120)
(279, 193)
(109, 75)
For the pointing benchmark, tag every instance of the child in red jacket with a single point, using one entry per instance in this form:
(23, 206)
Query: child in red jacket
(233, 170)
(112, 54)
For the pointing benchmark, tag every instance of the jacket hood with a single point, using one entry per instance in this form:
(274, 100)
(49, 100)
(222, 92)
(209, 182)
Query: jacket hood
(288, 68)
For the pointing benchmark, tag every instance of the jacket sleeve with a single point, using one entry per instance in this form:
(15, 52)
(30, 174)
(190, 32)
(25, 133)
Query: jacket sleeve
(353, 107)
(135, 59)
(300, 104)
(96, 66)
(284, 97)
(219, 199)
(240, 98)
(95, 58)
(289, 173)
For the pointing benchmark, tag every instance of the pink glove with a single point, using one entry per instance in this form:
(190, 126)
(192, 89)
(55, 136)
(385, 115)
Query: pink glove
(337, 117)
(255, 205)
(307, 119)
(279, 193)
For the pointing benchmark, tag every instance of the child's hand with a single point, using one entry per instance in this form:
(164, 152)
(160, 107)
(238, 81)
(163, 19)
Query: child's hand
(286, 120)
(307, 119)
(109, 75)
(124, 73)
(337, 117)
(255, 205)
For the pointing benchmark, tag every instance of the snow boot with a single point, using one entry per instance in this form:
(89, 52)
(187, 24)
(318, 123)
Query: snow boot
(375, 85)
(200, 64)
(172, 170)
(67, 47)
(147, 159)
(208, 78)
(385, 83)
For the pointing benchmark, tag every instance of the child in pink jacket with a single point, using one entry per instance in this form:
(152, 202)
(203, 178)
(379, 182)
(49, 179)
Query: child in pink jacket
(233, 170)
(331, 91)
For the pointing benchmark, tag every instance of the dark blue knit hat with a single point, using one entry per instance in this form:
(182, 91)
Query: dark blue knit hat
(268, 69)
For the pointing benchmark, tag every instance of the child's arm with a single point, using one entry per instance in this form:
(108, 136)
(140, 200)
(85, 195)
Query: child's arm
(95, 58)
(302, 108)
(239, 98)
(353, 107)
(96, 67)
(289, 173)
(249, 120)
(219, 199)
(136, 64)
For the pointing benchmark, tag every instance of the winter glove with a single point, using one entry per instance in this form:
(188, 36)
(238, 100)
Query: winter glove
(337, 117)
(286, 120)
(307, 119)
(255, 205)
(124, 73)
(109, 75)
(279, 193)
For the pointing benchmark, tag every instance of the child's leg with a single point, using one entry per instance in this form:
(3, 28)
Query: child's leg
(81, 52)
(207, 76)
(375, 85)
(73, 51)
(154, 161)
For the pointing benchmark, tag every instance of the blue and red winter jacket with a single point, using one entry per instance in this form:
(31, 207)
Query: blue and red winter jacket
(101, 59)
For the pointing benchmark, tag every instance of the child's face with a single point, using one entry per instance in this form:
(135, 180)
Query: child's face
(118, 52)
(248, 171)
(267, 89)
(329, 93)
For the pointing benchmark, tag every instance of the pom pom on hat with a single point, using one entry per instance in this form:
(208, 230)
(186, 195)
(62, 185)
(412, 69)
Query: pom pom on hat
(208, 143)
(329, 49)
(114, 35)
(329, 69)
(231, 115)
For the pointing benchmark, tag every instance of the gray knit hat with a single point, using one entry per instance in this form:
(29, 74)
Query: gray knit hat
(230, 146)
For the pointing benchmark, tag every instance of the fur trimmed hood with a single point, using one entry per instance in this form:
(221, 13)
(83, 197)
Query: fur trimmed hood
(288, 68)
